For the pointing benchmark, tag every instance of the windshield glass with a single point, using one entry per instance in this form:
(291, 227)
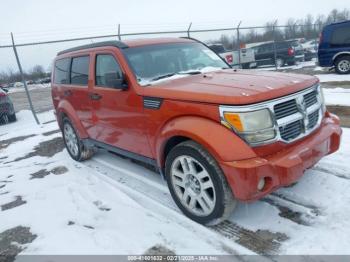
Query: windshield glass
(155, 62)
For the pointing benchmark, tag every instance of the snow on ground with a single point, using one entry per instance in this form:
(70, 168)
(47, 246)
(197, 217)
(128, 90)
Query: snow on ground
(337, 96)
(78, 212)
(30, 87)
(109, 205)
(333, 77)
(299, 65)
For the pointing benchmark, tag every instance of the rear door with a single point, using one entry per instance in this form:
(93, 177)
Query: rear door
(117, 114)
(71, 82)
(265, 54)
(78, 90)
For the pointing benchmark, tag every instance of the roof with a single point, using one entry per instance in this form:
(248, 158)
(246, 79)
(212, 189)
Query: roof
(154, 41)
(338, 23)
(128, 43)
(117, 44)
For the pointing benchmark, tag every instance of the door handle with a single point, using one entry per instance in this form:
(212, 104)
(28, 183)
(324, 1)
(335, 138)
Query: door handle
(95, 96)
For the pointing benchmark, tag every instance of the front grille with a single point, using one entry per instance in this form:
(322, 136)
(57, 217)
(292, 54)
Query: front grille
(310, 98)
(292, 130)
(294, 117)
(313, 119)
(285, 109)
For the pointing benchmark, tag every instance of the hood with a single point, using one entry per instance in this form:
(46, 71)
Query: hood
(231, 87)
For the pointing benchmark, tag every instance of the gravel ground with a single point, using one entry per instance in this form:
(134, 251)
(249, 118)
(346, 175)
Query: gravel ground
(41, 100)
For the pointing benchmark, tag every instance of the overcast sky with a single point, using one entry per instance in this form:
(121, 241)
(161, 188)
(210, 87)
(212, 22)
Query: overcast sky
(50, 19)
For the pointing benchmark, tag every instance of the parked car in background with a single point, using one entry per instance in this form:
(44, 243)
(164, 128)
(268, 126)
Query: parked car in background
(310, 49)
(287, 52)
(7, 111)
(334, 47)
(232, 57)
(18, 84)
(46, 80)
(218, 135)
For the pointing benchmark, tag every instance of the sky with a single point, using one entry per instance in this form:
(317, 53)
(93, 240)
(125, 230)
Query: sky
(37, 20)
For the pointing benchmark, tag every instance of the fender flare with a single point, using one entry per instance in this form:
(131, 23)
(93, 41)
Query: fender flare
(339, 54)
(65, 108)
(221, 143)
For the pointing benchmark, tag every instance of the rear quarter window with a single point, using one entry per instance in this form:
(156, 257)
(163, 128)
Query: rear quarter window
(61, 71)
(341, 36)
(79, 74)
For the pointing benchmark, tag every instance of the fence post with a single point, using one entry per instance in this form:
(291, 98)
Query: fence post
(239, 44)
(188, 30)
(316, 41)
(24, 81)
(119, 37)
(274, 42)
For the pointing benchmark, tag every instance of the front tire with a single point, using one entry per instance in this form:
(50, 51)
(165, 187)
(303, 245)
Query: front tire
(74, 145)
(342, 65)
(197, 184)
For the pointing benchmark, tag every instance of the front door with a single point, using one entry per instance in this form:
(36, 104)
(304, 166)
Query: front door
(117, 114)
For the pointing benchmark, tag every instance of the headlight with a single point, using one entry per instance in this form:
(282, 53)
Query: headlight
(254, 127)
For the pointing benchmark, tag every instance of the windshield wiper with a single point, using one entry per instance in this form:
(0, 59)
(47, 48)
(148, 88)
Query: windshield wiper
(194, 72)
(163, 76)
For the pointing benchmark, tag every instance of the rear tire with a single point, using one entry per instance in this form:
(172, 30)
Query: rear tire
(197, 184)
(74, 145)
(342, 65)
(12, 118)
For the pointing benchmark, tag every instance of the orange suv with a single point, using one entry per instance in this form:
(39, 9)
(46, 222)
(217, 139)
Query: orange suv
(218, 135)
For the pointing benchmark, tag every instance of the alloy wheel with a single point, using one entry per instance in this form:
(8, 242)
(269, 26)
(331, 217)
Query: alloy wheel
(193, 185)
(71, 139)
(344, 66)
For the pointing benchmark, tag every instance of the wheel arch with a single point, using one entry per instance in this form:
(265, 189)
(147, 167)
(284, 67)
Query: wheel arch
(65, 109)
(340, 54)
(220, 142)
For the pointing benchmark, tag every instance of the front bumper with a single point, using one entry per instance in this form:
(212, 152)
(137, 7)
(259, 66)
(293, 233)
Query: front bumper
(285, 167)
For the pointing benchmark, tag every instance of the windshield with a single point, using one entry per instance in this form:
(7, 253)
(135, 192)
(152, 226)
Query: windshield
(155, 62)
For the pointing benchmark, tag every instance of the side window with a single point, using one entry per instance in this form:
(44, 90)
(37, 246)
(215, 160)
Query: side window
(341, 36)
(61, 71)
(107, 70)
(79, 74)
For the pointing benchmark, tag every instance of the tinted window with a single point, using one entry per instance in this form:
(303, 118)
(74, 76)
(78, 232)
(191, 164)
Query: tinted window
(282, 45)
(80, 71)
(61, 71)
(107, 68)
(341, 36)
(217, 49)
(265, 48)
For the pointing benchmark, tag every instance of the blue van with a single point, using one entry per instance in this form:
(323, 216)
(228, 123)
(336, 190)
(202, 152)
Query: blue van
(334, 47)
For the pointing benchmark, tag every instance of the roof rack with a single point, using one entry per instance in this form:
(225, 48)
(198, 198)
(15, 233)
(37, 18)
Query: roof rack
(117, 44)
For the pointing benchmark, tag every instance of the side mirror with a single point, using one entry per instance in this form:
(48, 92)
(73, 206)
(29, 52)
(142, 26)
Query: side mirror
(116, 80)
